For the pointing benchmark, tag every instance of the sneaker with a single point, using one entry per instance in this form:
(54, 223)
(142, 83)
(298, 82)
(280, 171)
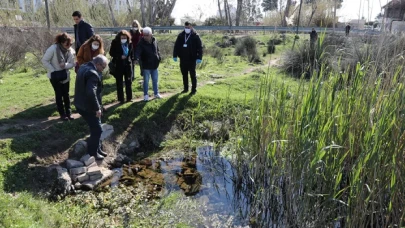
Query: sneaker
(102, 153)
(70, 117)
(99, 157)
(146, 98)
(184, 91)
(158, 96)
(64, 118)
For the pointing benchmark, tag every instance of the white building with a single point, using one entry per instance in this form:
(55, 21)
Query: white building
(29, 5)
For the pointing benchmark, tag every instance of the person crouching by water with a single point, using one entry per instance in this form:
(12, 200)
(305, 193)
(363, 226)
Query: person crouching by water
(87, 101)
(147, 53)
(90, 49)
(122, 56)
(58, 59)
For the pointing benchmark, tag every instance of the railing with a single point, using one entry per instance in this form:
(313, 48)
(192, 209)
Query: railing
(113, 30)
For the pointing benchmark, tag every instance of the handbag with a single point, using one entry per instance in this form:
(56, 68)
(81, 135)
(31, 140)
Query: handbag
(59, 76)
(112, 67)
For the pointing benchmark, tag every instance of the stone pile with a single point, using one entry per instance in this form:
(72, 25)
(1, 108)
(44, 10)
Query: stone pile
(86, 174)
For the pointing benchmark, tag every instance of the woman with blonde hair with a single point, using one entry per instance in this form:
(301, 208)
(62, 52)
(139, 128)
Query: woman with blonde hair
(136, 34)
(58, 59)
(91, 48)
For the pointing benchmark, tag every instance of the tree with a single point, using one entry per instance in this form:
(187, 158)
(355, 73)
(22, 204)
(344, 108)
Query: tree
(143, 6)
(238, 11)
(269, 5)
(219, 10)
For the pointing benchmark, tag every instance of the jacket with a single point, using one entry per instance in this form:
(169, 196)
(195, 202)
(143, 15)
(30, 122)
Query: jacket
(135, 37)
(86, 54)
(51, 63)
(85, 31)
(123, 66)
(88, 88)
(194, 49)
(148, 54)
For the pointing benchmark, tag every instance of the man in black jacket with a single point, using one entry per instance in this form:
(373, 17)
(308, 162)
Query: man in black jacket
(188, 48)
(88, 101)
(83, 30)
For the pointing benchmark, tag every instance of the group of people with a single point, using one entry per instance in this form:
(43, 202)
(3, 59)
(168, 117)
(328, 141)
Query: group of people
(137, 46)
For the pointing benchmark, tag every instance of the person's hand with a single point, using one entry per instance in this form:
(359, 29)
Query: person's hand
(123, 57)
(98, 114)
(199, 61)
(175, 59)
(62, 65)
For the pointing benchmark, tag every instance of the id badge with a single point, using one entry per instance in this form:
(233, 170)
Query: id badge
(185, 45)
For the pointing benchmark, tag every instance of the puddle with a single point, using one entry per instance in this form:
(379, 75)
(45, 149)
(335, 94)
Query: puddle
(204, 176)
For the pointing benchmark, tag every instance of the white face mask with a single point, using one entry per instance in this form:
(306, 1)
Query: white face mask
(94, 47)
(123, 41)
(187, 30)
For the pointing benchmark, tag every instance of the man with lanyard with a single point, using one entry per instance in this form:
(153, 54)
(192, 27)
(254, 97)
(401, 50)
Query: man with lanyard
(188, 48)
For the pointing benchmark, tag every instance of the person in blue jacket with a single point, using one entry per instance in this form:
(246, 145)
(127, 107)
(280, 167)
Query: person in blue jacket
(83, 30)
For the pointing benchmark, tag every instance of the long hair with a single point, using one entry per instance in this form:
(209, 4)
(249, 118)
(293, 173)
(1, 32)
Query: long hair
(95, 38)
(137, 25)
(62, 38)
(125, 33)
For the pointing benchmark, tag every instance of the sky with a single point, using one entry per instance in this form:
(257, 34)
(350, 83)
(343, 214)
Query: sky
(350, 9)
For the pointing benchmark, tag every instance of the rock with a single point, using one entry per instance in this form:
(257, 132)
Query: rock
(94, 164)
(90, 185)
(82, 177)
(77, 171)
(108, 130)
(70, 164)
(87, 160)
(63, 182)
(80, 148)
(96, 177)
(78, 186)
(93, 171)
(135, 144)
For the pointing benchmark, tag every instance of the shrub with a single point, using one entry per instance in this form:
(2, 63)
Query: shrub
(247, 48)
(233, 40)
(12, 49)
(37, 41)
(271, 49)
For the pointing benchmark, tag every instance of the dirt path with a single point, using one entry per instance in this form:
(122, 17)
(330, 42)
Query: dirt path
(21, 127)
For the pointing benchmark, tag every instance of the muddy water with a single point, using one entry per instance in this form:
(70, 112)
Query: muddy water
(204, 176)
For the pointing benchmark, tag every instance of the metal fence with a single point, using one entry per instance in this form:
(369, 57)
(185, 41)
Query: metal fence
(112, 30)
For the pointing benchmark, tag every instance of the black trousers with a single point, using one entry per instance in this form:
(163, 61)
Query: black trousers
(62, 98)
(119, 79)
(186, 67)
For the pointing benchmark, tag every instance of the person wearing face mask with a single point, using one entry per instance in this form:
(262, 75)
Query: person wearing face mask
(122, 56)
(188, 48)
(90, 49)
(88, 102)
(147, 52)
(58, 59)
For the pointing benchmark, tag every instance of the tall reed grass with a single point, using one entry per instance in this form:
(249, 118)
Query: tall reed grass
(332, 154)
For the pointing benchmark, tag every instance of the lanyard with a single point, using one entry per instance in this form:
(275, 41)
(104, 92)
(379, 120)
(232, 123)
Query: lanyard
(186, 38)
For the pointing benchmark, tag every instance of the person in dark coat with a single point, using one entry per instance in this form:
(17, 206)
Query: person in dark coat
(83, 30)
(313, 37)
(122, 56)
(136, 35)
(347, 29)
(147, 52)
(188, 48)
(87, 101)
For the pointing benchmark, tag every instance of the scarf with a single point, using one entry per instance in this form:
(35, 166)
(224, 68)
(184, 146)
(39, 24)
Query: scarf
(125, 49)
(61, 53)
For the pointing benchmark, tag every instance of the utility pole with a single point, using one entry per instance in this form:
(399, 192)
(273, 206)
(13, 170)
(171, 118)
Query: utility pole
(48, 23)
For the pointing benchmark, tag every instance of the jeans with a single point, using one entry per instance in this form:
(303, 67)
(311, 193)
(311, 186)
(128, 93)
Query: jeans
(154, 75)
(186, 67)
(62, 98)
(93, 144)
